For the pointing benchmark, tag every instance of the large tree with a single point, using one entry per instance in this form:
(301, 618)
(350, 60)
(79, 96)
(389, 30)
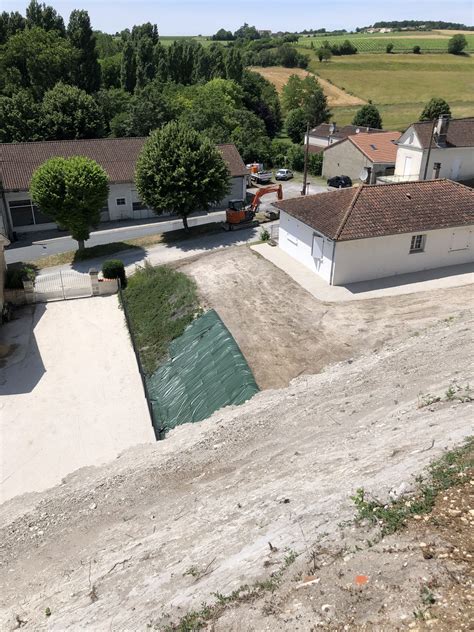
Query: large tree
(296, 123)
(87, 70)
(457, 44)
(45, 17)
(128, 71)
(72, 192)
(368, 116)
(20, 118)
(39, 58)
(68, 112)
(181, 171)
(306, 94)
(434, 109)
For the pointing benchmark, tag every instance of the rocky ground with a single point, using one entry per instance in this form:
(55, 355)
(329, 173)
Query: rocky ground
(260, 496)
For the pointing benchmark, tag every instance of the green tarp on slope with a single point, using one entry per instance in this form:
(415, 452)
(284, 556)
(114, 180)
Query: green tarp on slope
(205, 372)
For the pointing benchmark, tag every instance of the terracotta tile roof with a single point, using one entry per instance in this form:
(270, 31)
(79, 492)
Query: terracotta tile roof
(322, 131)
(385, 209)
(378, 149)
(117, 156)
(460, 133)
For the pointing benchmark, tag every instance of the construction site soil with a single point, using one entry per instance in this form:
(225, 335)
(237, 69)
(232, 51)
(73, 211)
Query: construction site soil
(260, 495)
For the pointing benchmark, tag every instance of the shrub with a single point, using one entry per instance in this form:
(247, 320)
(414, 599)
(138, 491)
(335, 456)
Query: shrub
(417, 49)
(389, 48)
(15, 276)
(315, 164)
(457, 44)
(114, 269)
(296, 157)
(264, 235)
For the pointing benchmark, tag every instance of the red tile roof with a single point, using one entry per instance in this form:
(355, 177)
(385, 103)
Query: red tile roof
(378, 148)
(385, 209)
(117, 156)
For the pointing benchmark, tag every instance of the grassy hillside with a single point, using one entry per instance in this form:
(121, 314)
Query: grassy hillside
(432, 41)
(400, 85)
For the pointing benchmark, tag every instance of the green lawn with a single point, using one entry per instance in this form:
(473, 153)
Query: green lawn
(400, 85)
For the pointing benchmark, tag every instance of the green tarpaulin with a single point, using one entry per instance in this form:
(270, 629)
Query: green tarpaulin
(205, 372)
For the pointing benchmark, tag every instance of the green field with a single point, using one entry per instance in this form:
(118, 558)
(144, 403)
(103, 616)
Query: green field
(401, 85)
(431, 42)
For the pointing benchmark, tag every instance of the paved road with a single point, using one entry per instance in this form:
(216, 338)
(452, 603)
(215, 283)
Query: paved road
(42, 244)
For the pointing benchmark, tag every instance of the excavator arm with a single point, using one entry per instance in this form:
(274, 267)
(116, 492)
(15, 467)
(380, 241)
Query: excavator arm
(273, 188)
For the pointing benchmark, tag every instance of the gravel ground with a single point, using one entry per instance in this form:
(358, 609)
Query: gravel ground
(284, 331)
(144, 540)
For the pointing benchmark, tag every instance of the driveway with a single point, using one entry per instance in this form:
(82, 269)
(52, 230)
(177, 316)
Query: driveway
(71, 394)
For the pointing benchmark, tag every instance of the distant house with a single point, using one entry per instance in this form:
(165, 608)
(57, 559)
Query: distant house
(375, 231)
(447, 153)
(118, 156)
(328, 133)
(362, 156)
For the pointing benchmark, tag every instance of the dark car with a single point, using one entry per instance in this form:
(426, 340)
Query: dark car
(339, 182)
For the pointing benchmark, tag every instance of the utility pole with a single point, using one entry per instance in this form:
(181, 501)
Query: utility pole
(306, 151)
(429, 149)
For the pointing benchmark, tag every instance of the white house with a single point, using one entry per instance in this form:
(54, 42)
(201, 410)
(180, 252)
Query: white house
(375, 231)
(117, 156)
(445, 150)
(326, 134)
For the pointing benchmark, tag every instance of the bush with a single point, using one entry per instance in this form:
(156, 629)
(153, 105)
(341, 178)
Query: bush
(296, 157)
(264, 235)
(457, 44)
(114, 269)
(15, 276)
(417, 49)
(389, 48)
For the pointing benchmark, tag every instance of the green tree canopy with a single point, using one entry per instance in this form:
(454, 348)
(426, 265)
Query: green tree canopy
(86, 71)
(457, 44)
(261, 97)
(20, 118)
(68, 112)
(72, 192)
(10, 23)
(434, 109)
(44, 17)
(368, 116)
(41, 59)
(181, 171)
(306, 94)
(148, 109)
(296, 123)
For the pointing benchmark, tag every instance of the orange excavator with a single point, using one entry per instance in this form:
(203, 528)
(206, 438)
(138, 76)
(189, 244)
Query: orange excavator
(240, 216)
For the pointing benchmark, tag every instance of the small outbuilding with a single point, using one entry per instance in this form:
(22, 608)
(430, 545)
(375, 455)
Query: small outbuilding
(375, 231)
(362, 156)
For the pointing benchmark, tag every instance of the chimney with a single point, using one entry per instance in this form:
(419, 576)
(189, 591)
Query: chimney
(436, 170)
(441, 130)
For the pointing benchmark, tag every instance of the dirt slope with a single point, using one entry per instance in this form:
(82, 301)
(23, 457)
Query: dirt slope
(158, 531)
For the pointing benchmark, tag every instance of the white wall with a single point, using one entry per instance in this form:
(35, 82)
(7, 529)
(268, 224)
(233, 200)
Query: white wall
(296, 239)
(365, 259)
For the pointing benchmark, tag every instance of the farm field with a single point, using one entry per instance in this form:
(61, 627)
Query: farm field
(278, 75)
(430, 42)
(400, 85)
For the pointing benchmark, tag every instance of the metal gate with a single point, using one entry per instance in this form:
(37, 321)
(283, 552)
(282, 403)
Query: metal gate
(62, 285)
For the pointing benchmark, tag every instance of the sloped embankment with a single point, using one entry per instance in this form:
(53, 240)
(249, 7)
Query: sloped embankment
(163, 528)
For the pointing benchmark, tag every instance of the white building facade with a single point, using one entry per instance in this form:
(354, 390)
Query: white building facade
(333, 250)
(118, 156)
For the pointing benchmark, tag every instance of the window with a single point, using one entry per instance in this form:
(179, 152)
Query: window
(120, 201)
(21, 213)
(417, 243)
(139, 206)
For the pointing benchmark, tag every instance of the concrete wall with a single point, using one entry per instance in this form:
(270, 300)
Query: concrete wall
(296, 239)
(365, 259)
(345, 159)
(116, 211)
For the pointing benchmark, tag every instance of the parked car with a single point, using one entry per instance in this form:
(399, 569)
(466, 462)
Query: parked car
(284, 174)
(339, 182)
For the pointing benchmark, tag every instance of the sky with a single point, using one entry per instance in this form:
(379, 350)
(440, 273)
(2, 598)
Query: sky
(195, 17)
